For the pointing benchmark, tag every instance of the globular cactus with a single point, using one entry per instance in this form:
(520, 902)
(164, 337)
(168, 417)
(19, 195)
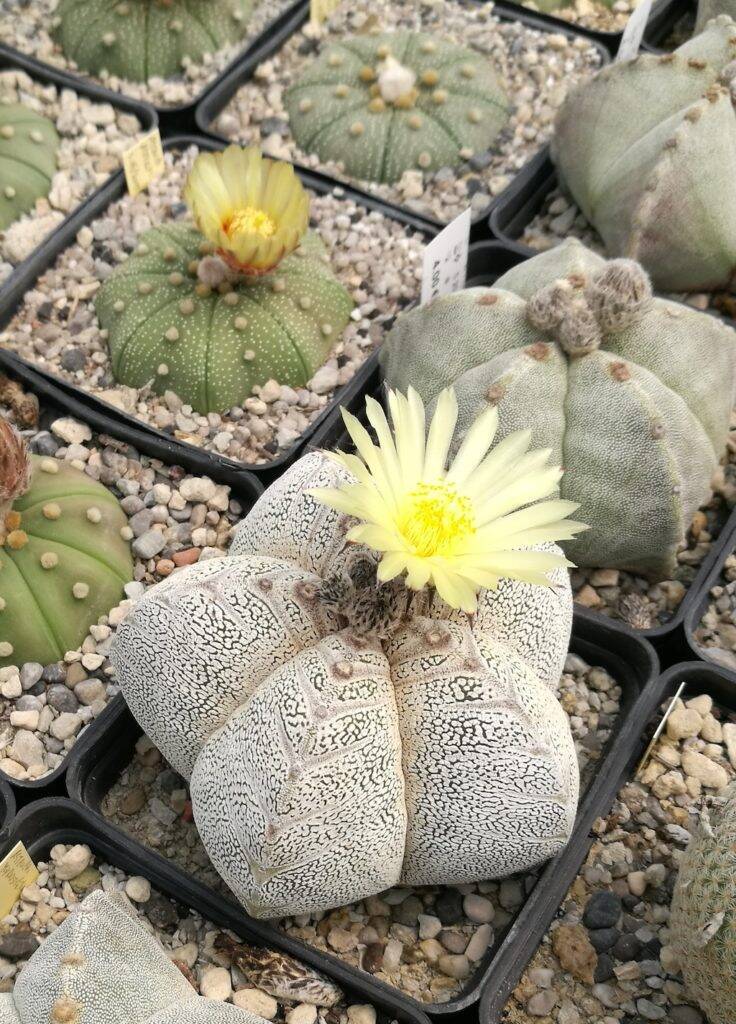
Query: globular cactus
(646, 150)
(709, 9)
(28, 147)
(632, 393)
(702, 922)
(187, 314)
(63, 560)
(100, 965)
(387, 103)
(142, 39)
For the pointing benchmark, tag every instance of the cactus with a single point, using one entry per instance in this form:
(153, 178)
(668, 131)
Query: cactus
(709, 9)
(646, 149)
(188, 315)
(702, 923)
(28, 146)
(100, 965)
(142, 39)
(384, 104)
(632, 393)
(63, 561)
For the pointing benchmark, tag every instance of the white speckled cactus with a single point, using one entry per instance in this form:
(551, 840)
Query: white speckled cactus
(646, 148)
(102, 965)
(633, 394)
(327, 764)
(385, 104)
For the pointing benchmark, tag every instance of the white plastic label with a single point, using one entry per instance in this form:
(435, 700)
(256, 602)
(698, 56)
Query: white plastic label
(446, 259)
(634, 31)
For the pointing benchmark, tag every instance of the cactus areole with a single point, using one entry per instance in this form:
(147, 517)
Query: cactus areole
(28, 147)
(63, 560)
(142, 39)
(245, 297)
(632, 393)
(382, 105)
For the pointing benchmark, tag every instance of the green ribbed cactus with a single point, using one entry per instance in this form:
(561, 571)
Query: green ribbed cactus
(142, 39)
(703, 917)
(384, 104)
(28, 146)
(63, 560)
(633, 394)
(646, 148)
(176, 315)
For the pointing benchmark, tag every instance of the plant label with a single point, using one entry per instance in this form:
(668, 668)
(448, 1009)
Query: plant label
(320, 10)
(143, 162)
(446, 259)
(17, 870)
(634, 31)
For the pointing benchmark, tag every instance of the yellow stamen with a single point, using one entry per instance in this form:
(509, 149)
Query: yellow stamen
(434, 517)
(250, 221)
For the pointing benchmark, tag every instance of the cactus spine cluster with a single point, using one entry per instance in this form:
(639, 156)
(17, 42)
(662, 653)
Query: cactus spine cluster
(63, 557)
(28, 146)
(142, 39)
(389, 103)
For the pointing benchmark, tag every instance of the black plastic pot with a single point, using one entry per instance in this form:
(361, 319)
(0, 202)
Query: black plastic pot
(46, 254)
(47, 822)
(218, 98)
(244, 486)
(96, 766)
(700, 679)
(7, 811)
(179, 118)
(663, 19)
(11, 60)
(698, 606)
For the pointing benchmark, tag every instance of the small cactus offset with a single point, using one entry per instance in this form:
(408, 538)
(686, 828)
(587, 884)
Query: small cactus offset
(28, 147)
(63, 560)
(646, 149)
(632, 393)
(385, 104)
(210, 317)
(142, 39)
(703, 919)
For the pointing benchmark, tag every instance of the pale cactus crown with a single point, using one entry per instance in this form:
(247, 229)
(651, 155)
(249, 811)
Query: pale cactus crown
(28, 148)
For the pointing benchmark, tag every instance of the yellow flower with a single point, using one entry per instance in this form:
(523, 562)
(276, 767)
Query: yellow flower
(457, 529)
(254, 210)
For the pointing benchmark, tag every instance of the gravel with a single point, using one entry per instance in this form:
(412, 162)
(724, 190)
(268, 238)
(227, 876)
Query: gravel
(625, 887)
(44, 709)
(92, 137)
(376, 259)
(214, 961)
(424, 941)
(536, 69)
(25, 26)
(715, 634)
(594, 14)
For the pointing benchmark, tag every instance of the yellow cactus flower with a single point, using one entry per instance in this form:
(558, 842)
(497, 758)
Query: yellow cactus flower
(253, 210)
(460, 528)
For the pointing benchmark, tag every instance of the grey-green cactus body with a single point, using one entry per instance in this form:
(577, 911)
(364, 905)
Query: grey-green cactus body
(349, 105)
(211, 345)
(62, 566)
(647, 149)
(632, 394)
(28, 147)
(142, 39)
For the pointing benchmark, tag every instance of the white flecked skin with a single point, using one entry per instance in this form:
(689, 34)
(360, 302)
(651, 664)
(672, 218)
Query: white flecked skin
(102, 967)
(325, 766)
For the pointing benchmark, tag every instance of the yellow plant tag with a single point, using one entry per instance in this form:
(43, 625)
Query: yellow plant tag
(143, 162)
(320, 10)
(17, 870)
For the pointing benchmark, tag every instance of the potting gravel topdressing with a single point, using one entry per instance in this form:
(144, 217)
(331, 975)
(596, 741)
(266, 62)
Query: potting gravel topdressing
(593, 14)
(534, 69)
(56, 328)
(92, 139)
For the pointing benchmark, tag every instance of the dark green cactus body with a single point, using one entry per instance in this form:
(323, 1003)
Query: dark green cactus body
(142, 39)
(212, 345)
(28, 145)
(342, 109)
(62, 566)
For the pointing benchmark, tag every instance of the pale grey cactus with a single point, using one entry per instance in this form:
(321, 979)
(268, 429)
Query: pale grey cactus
(102, 965)
(632, 393)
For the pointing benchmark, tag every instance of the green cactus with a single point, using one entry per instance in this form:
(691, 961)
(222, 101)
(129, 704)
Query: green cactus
(28, 146)
(63, 559)
(632, 393)
(384, 104)
(646, 149)
(177, 316)
(702, 922)
(142, 39)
